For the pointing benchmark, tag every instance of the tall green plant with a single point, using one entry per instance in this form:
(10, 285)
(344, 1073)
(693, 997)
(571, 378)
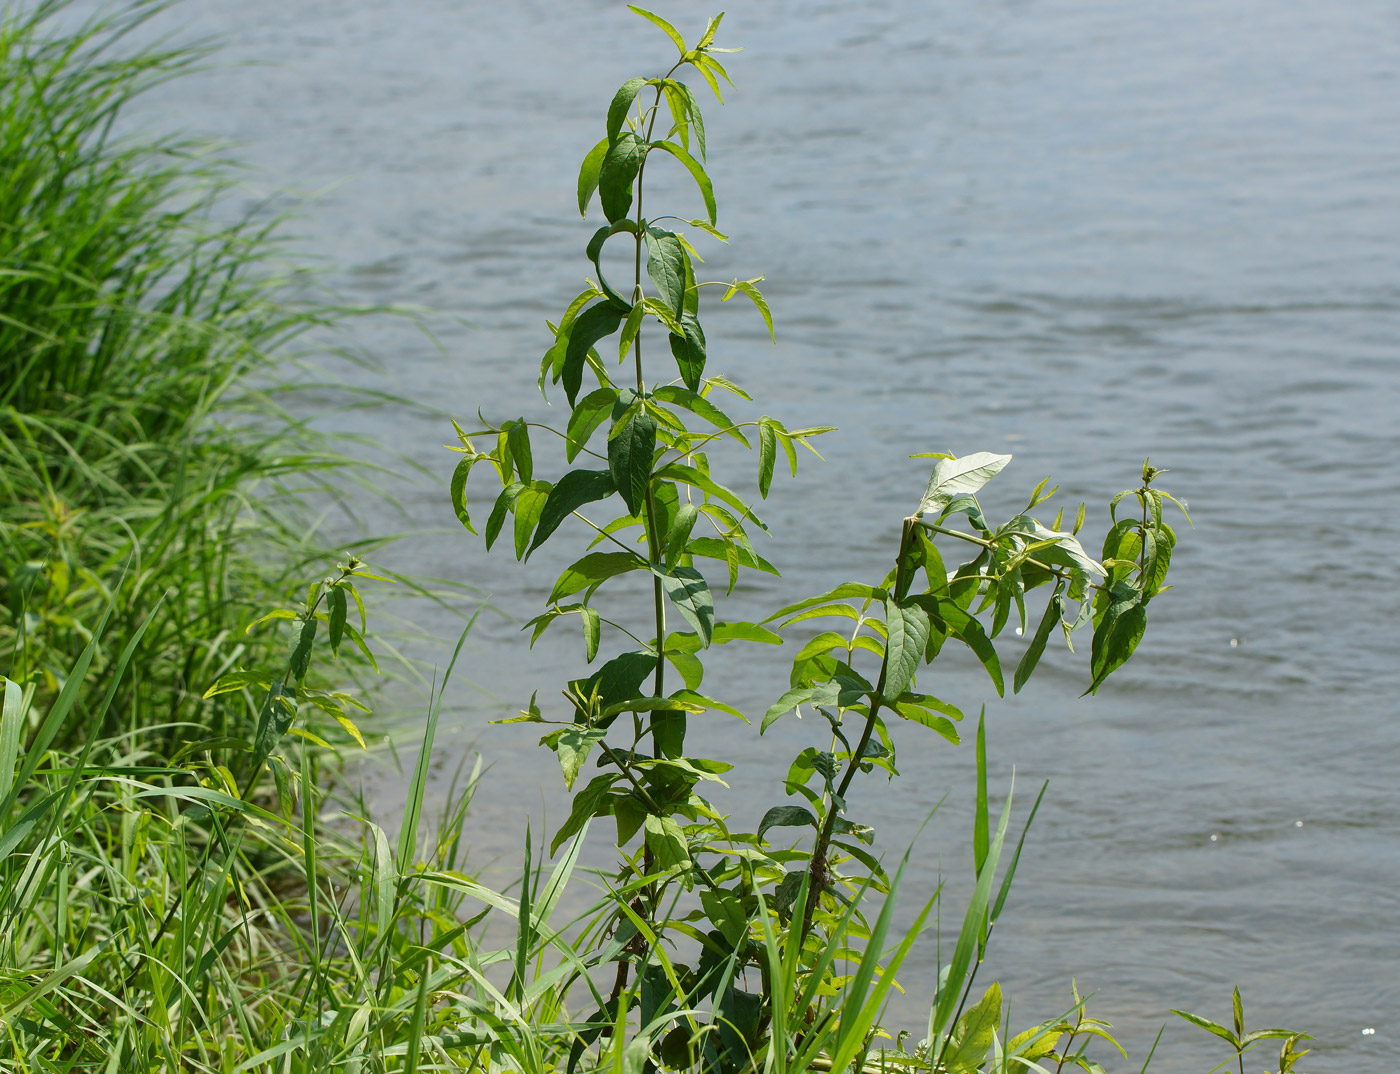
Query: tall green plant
(651, 498)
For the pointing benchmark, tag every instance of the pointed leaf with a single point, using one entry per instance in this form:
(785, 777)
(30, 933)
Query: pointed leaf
(574, 489)
(588, 175)
(697, 172)
(952, 478)
(592, 570)
(630, 450)
(688, 591)
(618, 172)
(621, 105)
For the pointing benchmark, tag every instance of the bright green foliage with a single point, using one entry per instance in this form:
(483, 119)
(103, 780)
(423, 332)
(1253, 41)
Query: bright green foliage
(136, 457)
(651, 496)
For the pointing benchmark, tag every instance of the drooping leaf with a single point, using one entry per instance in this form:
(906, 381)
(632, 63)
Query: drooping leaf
(335, 600)
(459, 490)
(630, 450)
(665, 266)
(498, 512)
(767, 455)
(786, 816)
(697, 172)
(529, 503)
(666, 841)
(719, 548)
(908, 627)
(1117, 634)
(572, 745)
(593, 324)
(701, 407)
(588, 803)
(588, 175)
(1053, 611)
(592, 570)
(300, 658)
(665, 27)
(590, 413)
(689, 352)
(618, 172)
(572, 491)
(687, 590)
(959, 477)
(621, 105)
(592, 632)
(750, 288)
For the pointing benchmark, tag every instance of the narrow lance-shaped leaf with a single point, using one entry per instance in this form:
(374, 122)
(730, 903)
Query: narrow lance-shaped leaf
(572, 491)
(588, 174)
(697, 172)
(592, 325)
(621, 105)
(336, 605)
(756, 296)
(630, 453)
(1053, 611)
(665, 27)
(767, 455)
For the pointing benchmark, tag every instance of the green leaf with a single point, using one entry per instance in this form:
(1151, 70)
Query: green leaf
(300, 658)
(592, 631)
(666, 259)
(276, 715)
(1117, 633)
(756, 296)
(767, 455)
(967, 629)
(665, 27)
(621, 105)
(630, 450)
(588, 174)
(689, 475)
(701, 407)
(1053, 611)
(572, 746)
(697, 121)
(498, 512)
(908, 627)
(687, 590)
(592, 570)
(786, 816)
(667, 842)
(618, 172)
(459, 489)
(573, 490)
(841, 592)
(529, 504)
(719, 548)
(972, 1037)
(336, 600)
(920, 715)
(953, 478)
(1209, 1026)
(689, 352)
(588, 803)
(590, 413)
(593, 324)
(518, 436)
(697, 172)
(630, 327)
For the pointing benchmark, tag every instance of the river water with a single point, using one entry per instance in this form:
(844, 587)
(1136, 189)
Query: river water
(1083, 232)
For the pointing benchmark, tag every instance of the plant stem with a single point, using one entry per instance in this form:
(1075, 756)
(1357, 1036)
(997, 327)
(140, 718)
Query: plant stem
(816, 868)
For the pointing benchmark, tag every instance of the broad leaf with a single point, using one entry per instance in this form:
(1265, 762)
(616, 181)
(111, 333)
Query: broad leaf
(959, 477)
(786, 816)
(688, 591)
(593, 324)
(618, 172)
(630, 450)
(621, 105)
(908, 626)
(666, 266)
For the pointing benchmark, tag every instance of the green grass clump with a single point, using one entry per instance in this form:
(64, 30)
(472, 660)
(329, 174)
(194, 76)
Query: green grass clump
(130, 320)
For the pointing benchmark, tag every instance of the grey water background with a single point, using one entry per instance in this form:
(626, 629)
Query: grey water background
(1080, 231)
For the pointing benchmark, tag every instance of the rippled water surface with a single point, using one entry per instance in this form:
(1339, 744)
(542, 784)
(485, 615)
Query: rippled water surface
(1079, 231)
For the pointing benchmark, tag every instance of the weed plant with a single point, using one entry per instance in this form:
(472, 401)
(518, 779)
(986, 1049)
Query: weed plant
(176, 899)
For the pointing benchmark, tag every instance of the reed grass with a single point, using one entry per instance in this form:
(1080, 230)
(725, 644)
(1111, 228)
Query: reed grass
(146, 443)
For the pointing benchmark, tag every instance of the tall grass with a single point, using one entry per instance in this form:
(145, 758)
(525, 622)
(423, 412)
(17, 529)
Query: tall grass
(130, 320)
